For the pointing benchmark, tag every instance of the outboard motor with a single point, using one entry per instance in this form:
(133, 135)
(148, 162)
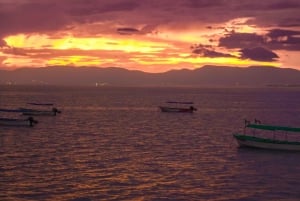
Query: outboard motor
(55, 111)
(192, 108)
(32, 121)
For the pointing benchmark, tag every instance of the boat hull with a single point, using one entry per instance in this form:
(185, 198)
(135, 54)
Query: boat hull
(15, 122)
(179, 110)
(263, 143)
(33, 112)
(38, 113)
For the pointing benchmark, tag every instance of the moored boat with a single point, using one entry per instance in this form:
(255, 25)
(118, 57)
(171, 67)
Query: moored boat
(269, 137)
(33, 112)
(41, 104)
(178, 107)
(29, 122)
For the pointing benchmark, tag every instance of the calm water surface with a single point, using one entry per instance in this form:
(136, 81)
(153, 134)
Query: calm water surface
(114, 144)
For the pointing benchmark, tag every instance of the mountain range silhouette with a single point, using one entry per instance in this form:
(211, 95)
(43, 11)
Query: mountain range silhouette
(113, 76)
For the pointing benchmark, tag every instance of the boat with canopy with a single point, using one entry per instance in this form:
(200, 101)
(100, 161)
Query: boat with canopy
(269, 137)
(28, 122)
(38, 110)
(33, 112)
(177, 106)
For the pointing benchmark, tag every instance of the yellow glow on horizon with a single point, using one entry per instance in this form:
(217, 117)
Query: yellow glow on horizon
(224, 61)
(78, 61)
(35, 41)
(15, 62)
(161, 53)
(70, 42)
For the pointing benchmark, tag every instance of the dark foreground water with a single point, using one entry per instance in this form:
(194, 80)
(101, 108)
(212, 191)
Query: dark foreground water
(114, 144)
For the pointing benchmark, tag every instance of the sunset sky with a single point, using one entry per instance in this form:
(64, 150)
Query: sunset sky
(149, 35)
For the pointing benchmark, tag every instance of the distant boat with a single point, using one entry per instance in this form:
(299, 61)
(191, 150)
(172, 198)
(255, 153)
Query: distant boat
(40, 110)
(269, 137)
(30, 122)
(41, 104)
(10, 110)
(178, 107)
(34, 112)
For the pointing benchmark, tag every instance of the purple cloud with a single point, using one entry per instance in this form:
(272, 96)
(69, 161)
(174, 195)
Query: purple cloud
(258, 54)
(281, 5)
(92, 7)
(275, 39)
(52, 15)
(204, 3)
(207, 51)
(283, 39)
(127, 31)
(241, 40)
(31, 17)
(293, 21)
(282, 32)
(271, 5)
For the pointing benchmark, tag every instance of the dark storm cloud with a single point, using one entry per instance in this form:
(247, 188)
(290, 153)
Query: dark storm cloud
(131, 31)
(258, 54)
(275, 39)
(241, 40)
(283, 39)
(282, 32)
(207, 51)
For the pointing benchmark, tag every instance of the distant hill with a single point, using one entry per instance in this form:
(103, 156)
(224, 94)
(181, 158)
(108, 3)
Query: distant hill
(204, 76)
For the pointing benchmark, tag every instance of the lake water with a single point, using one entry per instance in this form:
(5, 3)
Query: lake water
(114, 144)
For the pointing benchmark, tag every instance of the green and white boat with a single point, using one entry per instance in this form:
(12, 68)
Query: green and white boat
(269, 137)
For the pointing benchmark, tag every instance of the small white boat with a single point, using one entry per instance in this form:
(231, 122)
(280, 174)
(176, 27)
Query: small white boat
(29, 122)
(34, 112)
(269, 137)
(178, 108)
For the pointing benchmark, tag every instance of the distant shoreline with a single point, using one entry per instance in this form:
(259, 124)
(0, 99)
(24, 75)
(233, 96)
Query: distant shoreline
(207, 76)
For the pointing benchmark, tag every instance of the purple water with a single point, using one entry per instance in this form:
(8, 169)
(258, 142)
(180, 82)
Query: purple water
(114, 144)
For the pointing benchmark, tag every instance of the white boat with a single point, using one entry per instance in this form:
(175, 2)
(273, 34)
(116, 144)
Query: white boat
(178, 108)
(269, 137)
(34, 112)
(29, 122)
